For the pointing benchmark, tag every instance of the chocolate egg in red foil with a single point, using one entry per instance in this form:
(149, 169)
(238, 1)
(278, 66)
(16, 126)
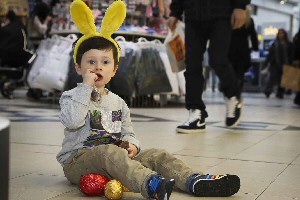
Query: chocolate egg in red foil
(93, 184)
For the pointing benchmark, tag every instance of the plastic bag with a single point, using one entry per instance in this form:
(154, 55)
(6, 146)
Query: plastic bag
(175, 46)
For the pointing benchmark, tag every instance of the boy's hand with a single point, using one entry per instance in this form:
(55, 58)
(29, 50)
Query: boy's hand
(132, 150)
(89, 78)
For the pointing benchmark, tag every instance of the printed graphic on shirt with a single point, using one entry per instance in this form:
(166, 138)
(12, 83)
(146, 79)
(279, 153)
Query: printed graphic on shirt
(112, 121)
(110, 133)
(98, 137)
(95, 120)
(116, 115)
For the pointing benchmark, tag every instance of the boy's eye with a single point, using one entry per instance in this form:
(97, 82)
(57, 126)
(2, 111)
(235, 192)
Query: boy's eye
(105, 62)
(91, 62)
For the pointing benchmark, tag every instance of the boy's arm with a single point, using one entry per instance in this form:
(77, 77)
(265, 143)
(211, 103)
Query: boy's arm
(127, 129)
(74, 106)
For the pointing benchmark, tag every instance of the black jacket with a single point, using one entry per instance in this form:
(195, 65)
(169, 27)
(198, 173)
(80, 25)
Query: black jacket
(296, 46)
(13, 51)
(279, 54)
(198, 10)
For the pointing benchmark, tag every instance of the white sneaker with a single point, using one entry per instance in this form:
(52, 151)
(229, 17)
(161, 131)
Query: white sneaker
(233, 111)
(195, 122)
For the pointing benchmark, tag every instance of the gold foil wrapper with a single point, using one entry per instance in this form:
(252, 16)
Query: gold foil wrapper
(125, 189)
(113, 190)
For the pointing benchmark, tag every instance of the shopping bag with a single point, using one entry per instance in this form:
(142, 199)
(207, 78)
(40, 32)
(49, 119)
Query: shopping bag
(50, 70)
(123, 82)
(161, 48)
(175, 46)
(291, 77)
(151, 77)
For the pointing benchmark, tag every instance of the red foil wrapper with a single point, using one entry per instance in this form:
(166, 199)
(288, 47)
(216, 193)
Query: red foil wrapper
(93, 184)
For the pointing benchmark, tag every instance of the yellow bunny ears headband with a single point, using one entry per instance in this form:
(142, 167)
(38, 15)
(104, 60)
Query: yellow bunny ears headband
(84, 20)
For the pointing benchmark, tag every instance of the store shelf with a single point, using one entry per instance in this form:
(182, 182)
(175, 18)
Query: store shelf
(123, 33)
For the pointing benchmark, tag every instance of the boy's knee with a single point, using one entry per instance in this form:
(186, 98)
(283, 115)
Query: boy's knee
(158, 152)
(109, 150)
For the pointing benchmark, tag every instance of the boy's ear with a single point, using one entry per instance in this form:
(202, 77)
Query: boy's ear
(77, 68)
(115, 70)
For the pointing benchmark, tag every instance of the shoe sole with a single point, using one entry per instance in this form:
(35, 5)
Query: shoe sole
(186, 131)
(169, 186)
(224, 187)
(239, 119)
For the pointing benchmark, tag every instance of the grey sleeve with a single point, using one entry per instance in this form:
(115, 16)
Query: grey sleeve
(74, 106)
(127, 129)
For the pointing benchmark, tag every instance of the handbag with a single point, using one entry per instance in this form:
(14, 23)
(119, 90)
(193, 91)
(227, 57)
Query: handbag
(291, 77)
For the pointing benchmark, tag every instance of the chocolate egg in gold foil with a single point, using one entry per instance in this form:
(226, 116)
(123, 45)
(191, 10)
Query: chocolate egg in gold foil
(113, 190)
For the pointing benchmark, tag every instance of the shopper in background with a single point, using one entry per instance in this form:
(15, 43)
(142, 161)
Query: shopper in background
(41, 19)
(13, 41)
(280, 53)
(296, 60)
(13, 53)
(208, 20)
(240, 51)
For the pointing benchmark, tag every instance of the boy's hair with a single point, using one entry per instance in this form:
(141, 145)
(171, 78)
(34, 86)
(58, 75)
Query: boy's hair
(99, 43)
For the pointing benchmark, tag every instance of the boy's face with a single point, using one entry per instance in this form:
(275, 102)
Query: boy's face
(99, 62)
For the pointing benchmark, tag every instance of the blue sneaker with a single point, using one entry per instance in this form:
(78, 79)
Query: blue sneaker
(215, 185)
(160, 188)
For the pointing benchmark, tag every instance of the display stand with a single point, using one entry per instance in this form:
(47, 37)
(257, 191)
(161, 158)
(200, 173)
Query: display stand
(130, 36)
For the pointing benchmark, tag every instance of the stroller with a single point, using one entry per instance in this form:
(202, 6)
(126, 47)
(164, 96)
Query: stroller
(14, 55)
(14, 76)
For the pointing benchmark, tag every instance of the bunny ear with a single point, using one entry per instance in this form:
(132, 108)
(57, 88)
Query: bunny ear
(82, 17)
(113, 19)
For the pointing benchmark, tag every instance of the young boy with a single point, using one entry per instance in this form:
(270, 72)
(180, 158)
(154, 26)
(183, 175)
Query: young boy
(96, 120)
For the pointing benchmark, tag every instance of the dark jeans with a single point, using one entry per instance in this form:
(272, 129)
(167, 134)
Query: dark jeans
(197, 33)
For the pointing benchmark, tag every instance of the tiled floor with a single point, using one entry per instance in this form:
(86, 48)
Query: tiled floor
(264, 150)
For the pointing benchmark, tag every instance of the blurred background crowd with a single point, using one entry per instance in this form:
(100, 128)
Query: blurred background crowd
(31, 29)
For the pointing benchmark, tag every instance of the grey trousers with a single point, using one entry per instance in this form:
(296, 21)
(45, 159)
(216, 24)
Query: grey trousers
(114, 163)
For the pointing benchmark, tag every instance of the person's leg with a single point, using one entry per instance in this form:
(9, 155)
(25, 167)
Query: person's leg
(297, 99)
(280, 90)
(195, 42)
(196, 39)
(167, 165)
(114, 163)
(220, 34)
(270, 82)
(239, 73)
(187, 179)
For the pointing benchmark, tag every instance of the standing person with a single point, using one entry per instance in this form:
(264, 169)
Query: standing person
(13, 42)
(210, 20)
(280, 53)
(13, 53)
(240, 51)
(97, 120)
(41, 19)
(296, 59)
